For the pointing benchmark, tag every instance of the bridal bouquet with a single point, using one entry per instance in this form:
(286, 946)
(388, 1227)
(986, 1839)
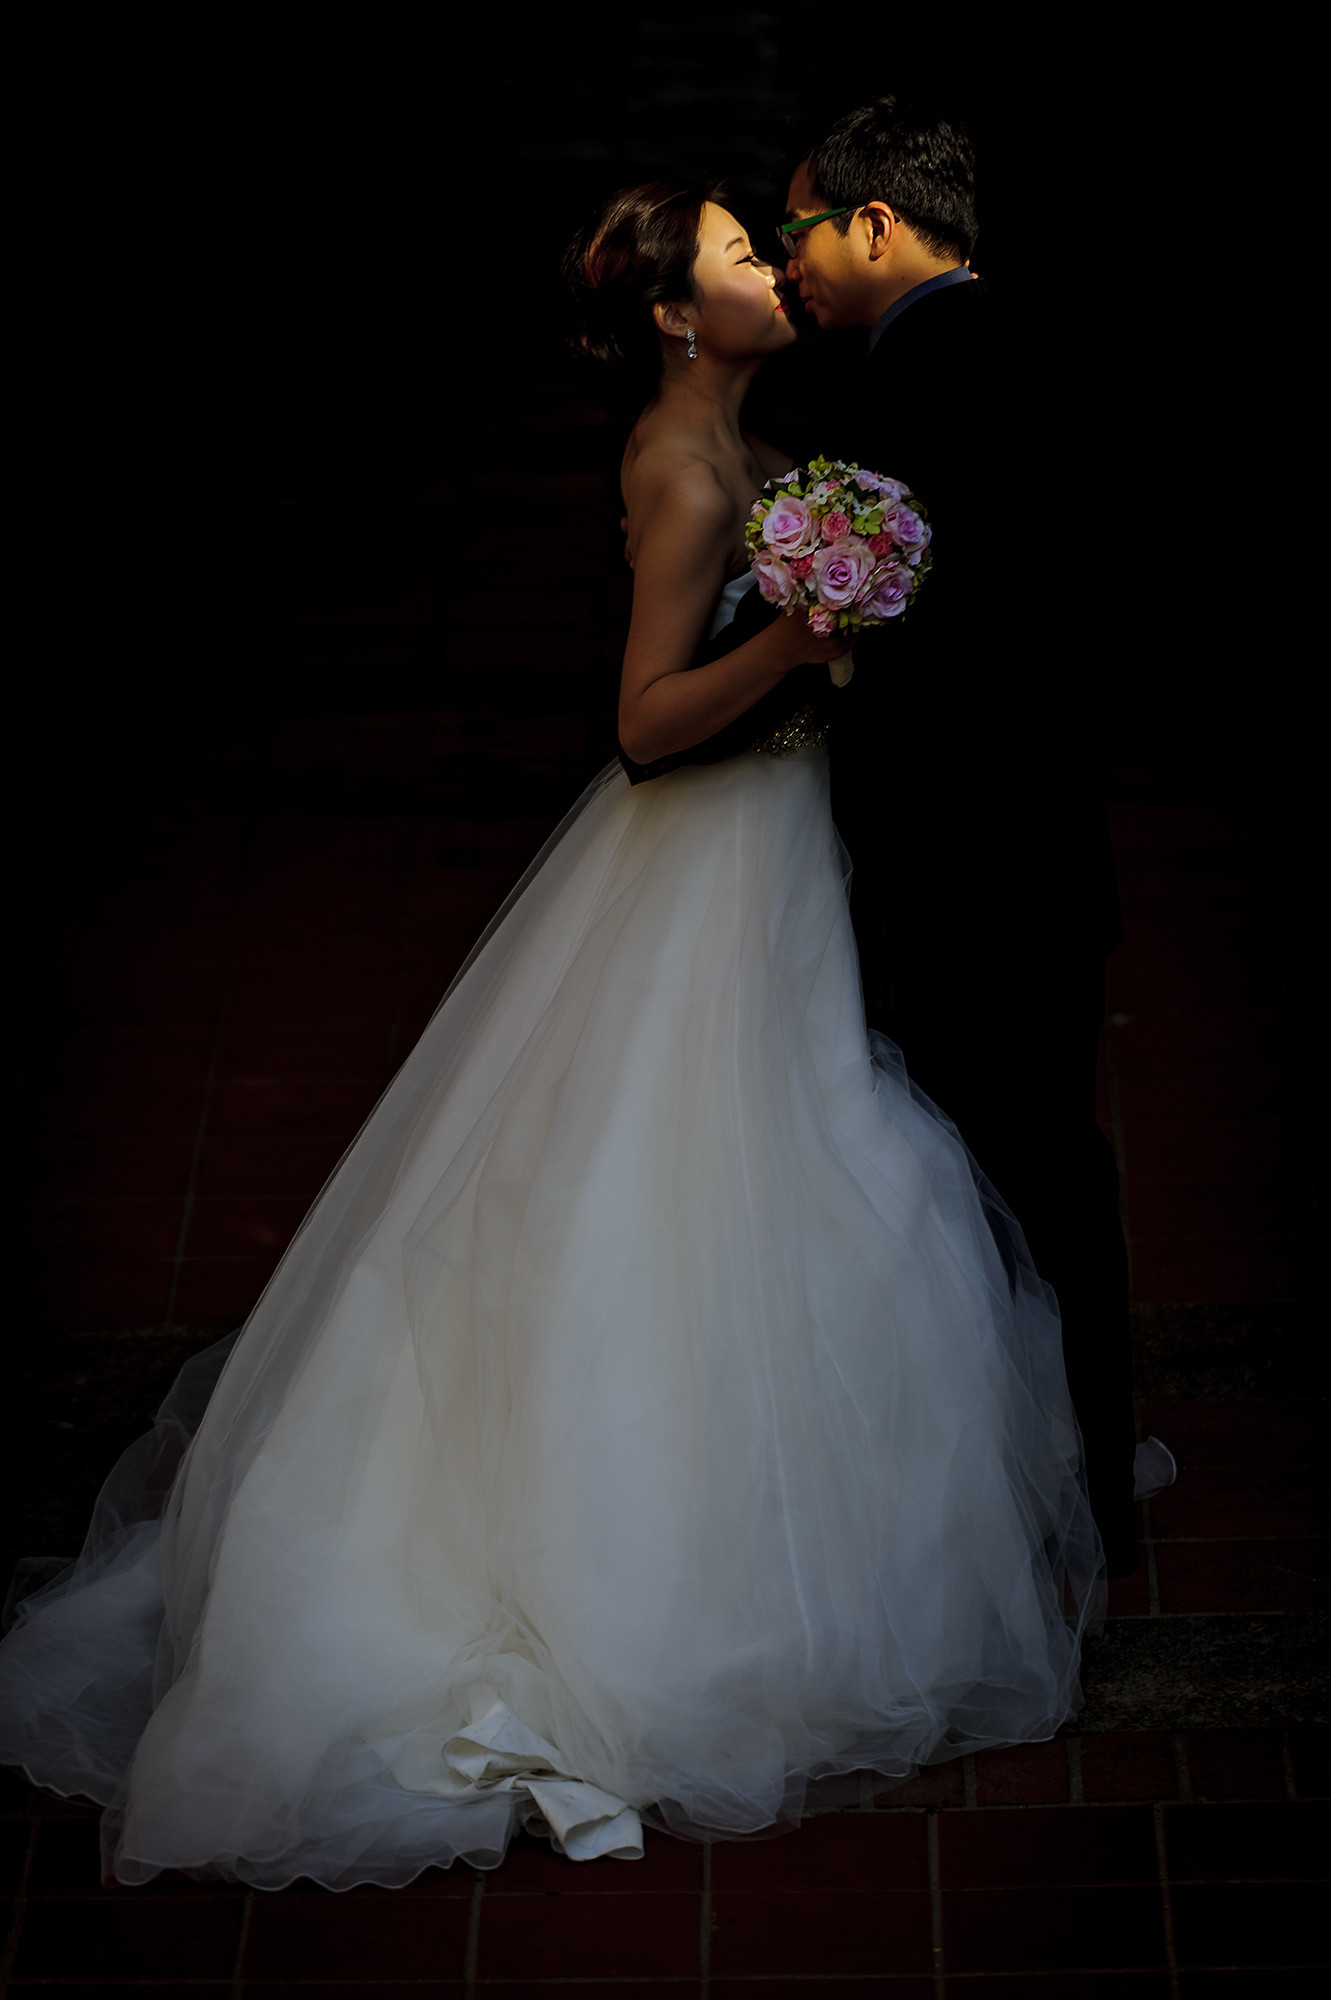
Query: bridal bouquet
(848, 545)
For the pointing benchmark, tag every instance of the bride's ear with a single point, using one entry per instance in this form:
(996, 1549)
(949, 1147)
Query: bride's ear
(672, 321)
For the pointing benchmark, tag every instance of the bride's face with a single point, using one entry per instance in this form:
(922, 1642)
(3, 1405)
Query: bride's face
(738, 311)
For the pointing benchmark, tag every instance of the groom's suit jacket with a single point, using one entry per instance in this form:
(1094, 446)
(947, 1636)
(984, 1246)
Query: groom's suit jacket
(960, 780)
(982, 887)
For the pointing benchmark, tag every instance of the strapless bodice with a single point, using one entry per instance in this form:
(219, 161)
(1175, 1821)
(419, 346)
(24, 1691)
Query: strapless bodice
(727, 604)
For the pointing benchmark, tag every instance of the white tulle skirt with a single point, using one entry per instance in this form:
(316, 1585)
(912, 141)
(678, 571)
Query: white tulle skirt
(655, 1412)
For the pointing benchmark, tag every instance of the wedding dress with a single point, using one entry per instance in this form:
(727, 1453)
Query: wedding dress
(656, 1411)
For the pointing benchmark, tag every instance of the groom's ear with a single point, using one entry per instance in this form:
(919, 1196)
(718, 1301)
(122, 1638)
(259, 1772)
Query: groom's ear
(882, 223)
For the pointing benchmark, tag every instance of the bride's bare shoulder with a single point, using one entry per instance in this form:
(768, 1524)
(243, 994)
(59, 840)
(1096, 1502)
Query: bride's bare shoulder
(664, 472)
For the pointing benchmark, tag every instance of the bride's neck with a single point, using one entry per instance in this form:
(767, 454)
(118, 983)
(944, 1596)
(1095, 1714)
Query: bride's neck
(706, 394)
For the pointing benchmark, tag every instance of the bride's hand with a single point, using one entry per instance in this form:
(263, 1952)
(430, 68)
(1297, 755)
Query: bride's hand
(799, 647)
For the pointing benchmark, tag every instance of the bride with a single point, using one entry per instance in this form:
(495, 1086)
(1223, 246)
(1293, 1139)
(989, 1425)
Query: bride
(657, 1410)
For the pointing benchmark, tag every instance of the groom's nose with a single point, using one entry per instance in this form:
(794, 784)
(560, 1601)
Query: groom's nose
(793, 270)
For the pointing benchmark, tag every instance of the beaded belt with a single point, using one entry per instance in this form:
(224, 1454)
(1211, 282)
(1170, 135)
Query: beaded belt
(806, 729)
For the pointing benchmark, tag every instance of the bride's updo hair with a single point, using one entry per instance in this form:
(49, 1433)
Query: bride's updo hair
(638, 252)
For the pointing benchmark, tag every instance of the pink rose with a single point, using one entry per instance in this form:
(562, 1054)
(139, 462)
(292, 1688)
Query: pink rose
(840, 571)
(822, 621)
(874, 482)
(788, 526)
(906, 528)
(881, 544)
(773, 576)
(801, 566)
(835, 526)
(889, 594)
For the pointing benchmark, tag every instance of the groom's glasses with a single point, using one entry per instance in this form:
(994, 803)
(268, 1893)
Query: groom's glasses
(786, 232)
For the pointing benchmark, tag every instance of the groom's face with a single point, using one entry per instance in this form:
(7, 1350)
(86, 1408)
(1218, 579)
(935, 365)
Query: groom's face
(825, 266)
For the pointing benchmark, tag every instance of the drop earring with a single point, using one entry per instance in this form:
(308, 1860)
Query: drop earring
(692, 339)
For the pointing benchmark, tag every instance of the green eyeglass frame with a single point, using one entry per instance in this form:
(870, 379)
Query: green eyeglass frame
(786, 232)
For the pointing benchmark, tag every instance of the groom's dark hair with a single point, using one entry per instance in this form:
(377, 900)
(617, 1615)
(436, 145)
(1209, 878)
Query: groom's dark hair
(904, 153)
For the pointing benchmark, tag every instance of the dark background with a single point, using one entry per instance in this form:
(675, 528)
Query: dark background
(297, 689)
(295, 343)
(289, 278)
(319, 267)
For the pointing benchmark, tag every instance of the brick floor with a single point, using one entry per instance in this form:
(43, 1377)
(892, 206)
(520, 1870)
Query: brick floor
(251, 957)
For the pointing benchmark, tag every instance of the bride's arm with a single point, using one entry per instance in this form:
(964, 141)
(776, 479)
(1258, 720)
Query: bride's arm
(679, 557)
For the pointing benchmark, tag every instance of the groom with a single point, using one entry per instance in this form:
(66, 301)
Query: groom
(983, 891)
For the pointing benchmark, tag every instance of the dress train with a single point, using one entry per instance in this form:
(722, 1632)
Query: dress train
(656, 1412)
